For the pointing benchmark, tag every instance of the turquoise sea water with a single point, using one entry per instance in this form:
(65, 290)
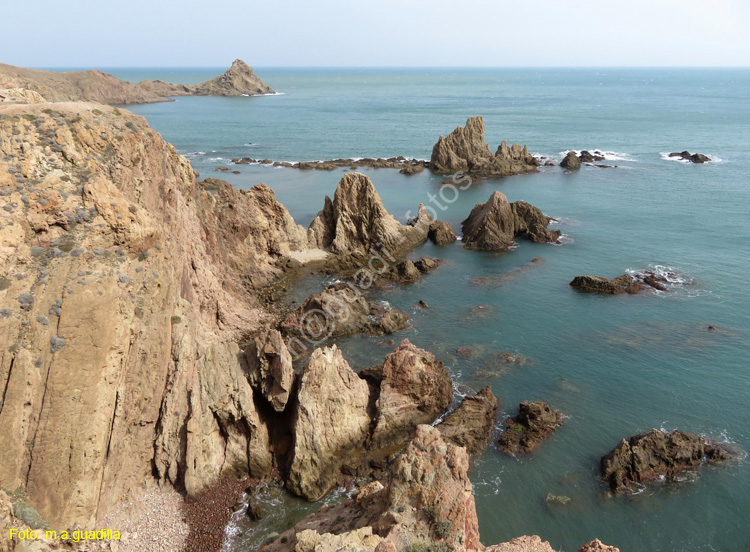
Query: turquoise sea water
(615, 365)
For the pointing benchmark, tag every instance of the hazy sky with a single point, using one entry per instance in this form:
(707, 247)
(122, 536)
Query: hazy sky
(110, 33)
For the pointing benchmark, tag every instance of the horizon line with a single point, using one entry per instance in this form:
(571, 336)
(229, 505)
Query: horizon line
(90, 67)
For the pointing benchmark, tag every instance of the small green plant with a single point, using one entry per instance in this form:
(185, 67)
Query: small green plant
(176, 320)
(97, 112)
(48, 111)
(132, 126)
(132, 209)
(29, 117)
(4, 283)
(117, 112)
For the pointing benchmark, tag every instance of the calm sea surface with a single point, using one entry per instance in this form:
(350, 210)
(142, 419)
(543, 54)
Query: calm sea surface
(615, 365)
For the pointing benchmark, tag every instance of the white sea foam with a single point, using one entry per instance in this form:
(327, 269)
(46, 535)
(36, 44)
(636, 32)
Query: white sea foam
(608, 155)
(715, 159)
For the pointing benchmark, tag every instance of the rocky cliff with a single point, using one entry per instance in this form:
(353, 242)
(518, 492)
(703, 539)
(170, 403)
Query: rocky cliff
(93, 85)
(123, 295)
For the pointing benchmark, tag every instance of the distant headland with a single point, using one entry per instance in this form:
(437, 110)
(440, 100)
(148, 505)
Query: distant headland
(93, 85)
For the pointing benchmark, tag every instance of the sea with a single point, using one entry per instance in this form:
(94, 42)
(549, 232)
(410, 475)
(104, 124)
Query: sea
(615, 365)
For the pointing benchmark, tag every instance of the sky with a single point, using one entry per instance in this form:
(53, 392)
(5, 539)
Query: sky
(274, 33)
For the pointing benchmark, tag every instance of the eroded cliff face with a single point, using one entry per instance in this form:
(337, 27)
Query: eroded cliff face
(122, 299)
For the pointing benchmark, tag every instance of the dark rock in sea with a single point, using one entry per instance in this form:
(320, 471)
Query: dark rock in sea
(471, 424)
(494, 225)
(658, 455)
(599, 284)
(588, 157)
(525, 433)
(422, 305)
(441, 233)
(412, 170)
(692, 157)
(571, 161)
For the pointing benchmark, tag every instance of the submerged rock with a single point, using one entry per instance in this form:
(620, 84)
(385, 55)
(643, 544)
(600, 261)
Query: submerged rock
(525, 433)
(657, 455)
(494, 225)
(471, 424)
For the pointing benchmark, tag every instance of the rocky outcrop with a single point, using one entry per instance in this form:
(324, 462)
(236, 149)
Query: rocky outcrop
(598, 284)
(270, 369)
(356, 223)
(118, 340)
(657, 455)
(407, 166)
(471, 424)
(20, 95)
(441, 233)
(238, 80)
(524, 434)
(331, 425)
(465, 150)
(692, 157)
(93, 85)
(571, 161)
(494, 225)
(425, 503)
(341, 310)
(408, 271)
(597, 546)
(522, 544)
(415, 389)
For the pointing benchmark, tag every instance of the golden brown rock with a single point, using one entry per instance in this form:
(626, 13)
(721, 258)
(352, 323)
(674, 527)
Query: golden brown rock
(331, 423)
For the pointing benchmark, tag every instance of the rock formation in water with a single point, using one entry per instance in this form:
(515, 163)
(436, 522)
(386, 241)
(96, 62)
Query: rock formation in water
(465, 150)
(598, 284)
(571, 161)
(425, 503)
(494, 225)
(93, 85)
(331, 425)
(441, 233)
(124, 294)
(471, 424)
(357, 223)
(658, 455)
(692, 157)
(416, 388)
(524, 434)
(622, 284)
(341, 310)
